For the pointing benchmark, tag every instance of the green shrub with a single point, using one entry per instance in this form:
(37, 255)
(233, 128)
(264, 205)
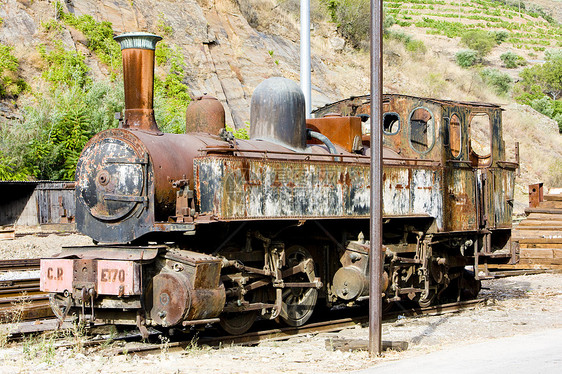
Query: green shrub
(56, 127)
(353, 18)
(64, 67)
(547, 76)
(9, 172)
(512, 60)
(99, 37)
(10, 83)
(466, 58)
(479, 40)
(500, 82)
(500, 36)
(170, 94)
(416, 46)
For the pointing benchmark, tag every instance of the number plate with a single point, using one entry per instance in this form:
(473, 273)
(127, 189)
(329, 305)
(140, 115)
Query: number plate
(118, 278)
(56, 275)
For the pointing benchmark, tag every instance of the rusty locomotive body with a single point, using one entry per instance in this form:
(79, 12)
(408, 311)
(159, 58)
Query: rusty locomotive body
(198, 228)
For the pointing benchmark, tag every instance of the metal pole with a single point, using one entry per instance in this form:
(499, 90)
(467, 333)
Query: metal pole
(305, 55)
(375, 261)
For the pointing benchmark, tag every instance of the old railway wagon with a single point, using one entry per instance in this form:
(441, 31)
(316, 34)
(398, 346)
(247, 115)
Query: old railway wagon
(200, 228)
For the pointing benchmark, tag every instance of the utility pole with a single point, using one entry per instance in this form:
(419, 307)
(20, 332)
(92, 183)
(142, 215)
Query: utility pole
(375, 260)
(305, 55)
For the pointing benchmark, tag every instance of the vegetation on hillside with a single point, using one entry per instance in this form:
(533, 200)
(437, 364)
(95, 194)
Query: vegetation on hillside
(61, 118)
(68, 107)
(541, 87)
(11, 84)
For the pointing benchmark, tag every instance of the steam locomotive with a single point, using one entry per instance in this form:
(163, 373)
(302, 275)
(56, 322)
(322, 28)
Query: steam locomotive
(200, 228)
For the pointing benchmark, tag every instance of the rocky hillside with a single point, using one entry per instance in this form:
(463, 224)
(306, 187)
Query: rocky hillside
(228, 47)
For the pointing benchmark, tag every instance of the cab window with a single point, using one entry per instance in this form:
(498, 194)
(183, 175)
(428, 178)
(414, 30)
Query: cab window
(455, 135)
(422, 130)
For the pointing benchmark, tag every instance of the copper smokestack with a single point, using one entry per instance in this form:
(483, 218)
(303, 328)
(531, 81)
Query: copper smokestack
(138, 74)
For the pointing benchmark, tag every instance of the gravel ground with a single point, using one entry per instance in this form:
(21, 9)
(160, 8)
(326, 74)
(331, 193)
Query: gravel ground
(32, 246)
(516, 306)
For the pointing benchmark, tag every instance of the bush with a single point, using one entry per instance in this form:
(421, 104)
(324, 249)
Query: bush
(547, 76)
(170, 93)
(466, 58)
(10, 83)
(512, 60)
(8, 171)
(500, 36)
(479, 40)
(500, 82)
(57, 126)
(416, 46)
(64, 67)
(353, 18)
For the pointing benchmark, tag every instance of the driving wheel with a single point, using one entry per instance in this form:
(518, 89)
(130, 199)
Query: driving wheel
(298, 302)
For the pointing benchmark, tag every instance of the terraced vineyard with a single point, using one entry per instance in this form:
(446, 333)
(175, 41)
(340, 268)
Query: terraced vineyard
(527, 30)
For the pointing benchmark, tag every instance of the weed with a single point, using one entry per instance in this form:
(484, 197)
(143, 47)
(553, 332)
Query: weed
(99, 36)
(164, 346)
(163, 27)
(77, 334)
(40, 347)
(57, 124)
(163, 53)
(192, 346)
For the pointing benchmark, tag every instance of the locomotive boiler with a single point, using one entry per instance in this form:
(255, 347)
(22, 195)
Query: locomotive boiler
(200, 228)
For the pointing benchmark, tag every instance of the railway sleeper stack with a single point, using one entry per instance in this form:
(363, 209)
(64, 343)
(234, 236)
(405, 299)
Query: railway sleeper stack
(540, 234)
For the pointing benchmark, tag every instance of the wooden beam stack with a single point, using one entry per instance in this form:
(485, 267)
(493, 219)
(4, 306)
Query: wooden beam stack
(540, 234)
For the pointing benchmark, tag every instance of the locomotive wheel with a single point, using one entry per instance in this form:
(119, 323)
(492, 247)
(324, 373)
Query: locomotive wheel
(298, 302)
(238, 323)
(427, 301)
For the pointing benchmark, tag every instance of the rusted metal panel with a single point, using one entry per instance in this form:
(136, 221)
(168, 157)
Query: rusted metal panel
(231, 188)
(459, 196)
(237, 188)
(536, 195)
(342, 131)
(396, 190)
(427, 196)
(503, 194)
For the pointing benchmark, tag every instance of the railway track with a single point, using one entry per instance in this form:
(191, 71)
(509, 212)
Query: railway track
(274, 334)
(20, 298)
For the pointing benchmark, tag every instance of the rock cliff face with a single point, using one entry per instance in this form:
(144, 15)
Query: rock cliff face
(227, 53)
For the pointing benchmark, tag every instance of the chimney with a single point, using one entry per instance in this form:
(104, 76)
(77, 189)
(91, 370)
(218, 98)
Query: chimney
(137, 49)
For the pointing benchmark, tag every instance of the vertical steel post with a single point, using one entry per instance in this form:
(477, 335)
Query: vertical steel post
(375, 260)
(305, 55)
